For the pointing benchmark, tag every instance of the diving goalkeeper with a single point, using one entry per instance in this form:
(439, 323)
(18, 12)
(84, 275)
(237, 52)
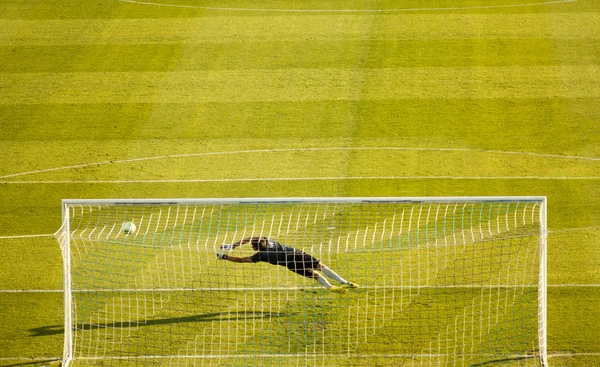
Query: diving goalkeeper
(295, 260)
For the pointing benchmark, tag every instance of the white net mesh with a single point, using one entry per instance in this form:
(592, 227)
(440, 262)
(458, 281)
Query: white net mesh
(442, 283)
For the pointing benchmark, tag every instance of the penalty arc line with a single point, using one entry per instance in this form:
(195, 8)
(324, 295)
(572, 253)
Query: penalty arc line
(291, 150)
(348, 10)
(274, 179)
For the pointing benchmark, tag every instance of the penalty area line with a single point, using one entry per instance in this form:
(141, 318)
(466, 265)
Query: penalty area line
(574, 354)
(550, 232)
(275, 179)
(566, 230)
(38, 359)
(35, 359)
(25, 236)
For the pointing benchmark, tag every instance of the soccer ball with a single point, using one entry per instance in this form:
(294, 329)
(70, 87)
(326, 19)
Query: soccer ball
(128, 228)
(224, 250)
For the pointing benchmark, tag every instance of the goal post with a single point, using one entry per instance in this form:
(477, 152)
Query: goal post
(543, 284)
(442, 281)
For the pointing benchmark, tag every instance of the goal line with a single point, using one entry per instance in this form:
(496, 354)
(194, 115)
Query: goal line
(305, 355)
(294, 289)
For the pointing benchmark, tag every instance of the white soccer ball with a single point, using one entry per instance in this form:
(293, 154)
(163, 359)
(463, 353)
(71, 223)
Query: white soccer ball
(225, 249)
(128, 228)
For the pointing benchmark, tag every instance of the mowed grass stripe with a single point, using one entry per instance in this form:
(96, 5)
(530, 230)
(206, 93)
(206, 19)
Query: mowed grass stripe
(35, 320)
(73, 9)
(478, 123)
(301, 55)
(302, 85)
(42, 329)
(300, 27)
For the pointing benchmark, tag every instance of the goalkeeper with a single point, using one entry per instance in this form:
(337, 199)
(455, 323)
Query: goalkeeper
(295, 260)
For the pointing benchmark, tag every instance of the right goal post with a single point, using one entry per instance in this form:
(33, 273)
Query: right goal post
(442, 281)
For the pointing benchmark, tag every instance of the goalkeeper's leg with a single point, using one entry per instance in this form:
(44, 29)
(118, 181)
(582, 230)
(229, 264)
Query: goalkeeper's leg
(325, 283)
(307, 266)
(335, 276)
(312, 273)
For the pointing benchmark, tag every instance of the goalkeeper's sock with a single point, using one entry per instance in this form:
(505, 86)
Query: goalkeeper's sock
(333, 275)
(321, 279)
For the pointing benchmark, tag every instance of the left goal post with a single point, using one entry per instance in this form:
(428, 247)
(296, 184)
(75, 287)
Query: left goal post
(444, 281)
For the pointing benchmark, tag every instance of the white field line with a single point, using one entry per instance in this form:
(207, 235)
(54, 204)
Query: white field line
(289, 289)
(34, 359)
(574, 354)
(55, 358)
(553, 231)
(276, 151)
(273, 179)
(566, 230)
(296, 355)
(573, 285)
(25, 236)
(349, 10)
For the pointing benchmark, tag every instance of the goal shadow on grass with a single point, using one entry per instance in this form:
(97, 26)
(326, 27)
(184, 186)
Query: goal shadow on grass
(36, 363)
(502, 361)
(205, 317)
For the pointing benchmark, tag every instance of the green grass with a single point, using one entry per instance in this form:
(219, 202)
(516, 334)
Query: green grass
(101, 83)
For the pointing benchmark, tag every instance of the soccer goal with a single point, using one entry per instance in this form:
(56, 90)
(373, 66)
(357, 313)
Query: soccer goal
(447, 281)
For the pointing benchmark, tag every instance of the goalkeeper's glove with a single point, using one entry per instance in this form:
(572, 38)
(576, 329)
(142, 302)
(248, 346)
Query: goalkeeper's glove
(224, 250)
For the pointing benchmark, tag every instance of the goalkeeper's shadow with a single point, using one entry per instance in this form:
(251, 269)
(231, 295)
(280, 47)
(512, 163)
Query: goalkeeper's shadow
(205, 317)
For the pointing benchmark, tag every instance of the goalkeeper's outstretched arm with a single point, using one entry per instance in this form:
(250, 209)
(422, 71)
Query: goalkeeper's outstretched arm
(246, 240)
(236, 259)
(223, 254)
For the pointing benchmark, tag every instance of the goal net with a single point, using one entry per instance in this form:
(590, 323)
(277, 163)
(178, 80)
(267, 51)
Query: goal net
(442, 282)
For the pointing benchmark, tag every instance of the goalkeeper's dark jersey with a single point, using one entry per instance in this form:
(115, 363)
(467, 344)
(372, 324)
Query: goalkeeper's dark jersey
(296, 260)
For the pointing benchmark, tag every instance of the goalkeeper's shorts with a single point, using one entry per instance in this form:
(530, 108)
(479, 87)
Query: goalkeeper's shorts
(303, 263)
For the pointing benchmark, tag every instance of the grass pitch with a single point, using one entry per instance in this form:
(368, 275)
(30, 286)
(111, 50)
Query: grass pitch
(181, 99)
